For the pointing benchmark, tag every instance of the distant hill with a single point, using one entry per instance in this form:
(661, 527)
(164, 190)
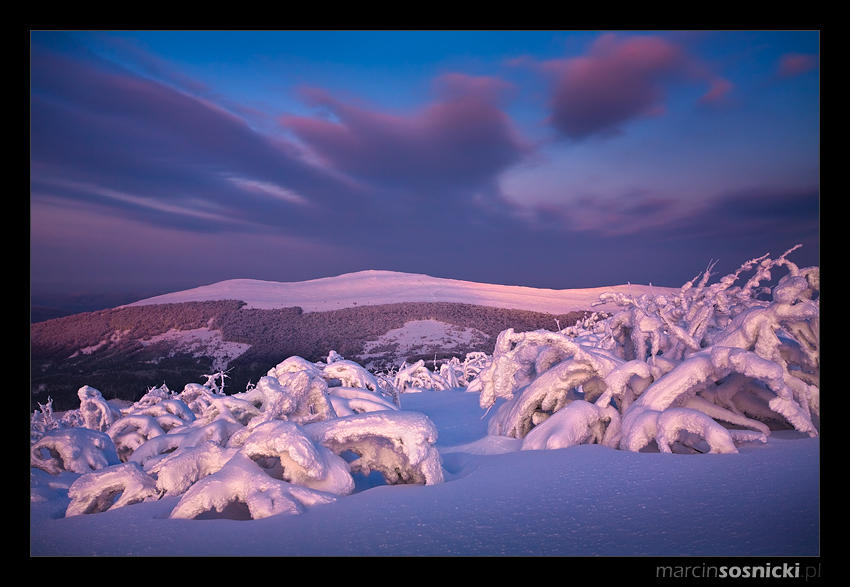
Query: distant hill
(247, 326)
(389, 287)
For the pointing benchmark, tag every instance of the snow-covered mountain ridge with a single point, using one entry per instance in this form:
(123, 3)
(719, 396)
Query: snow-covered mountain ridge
(386, 287)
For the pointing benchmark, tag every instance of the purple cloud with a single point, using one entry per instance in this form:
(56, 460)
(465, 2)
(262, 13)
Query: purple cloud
(459, 142)
(143, 149)
(794, 64)
(618, 80)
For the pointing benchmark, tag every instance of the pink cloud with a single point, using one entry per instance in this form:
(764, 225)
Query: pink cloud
(718, 90)
(792, 64)
(461, 139)
(619, 79)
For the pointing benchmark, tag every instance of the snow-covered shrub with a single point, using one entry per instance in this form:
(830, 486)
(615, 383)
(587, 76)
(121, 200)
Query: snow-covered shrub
(342, 376)
(386, 381)
(305, 384)
(397, 444)
(277, 469)
(683, 424)
(270, 397)
(43, 421)
(727, 362)
(341, 372)
(152, 397)
(232, 408)
(155, 449)
(590, 330)
(579, 422)
(286, 452)
(110, 488)
(130, 432)
(240, 480)
(78, 450)
(215, 450)
(702, 315)
(161, 403)
(96, 412)
(198, 397)
(417, 377)
(156, 413)
(348, 401)
(177, 471)
(473, 364)
(541, 372)
(459, 374)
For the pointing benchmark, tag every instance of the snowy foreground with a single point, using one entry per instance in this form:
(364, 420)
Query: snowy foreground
(496, 500)
(683, 424)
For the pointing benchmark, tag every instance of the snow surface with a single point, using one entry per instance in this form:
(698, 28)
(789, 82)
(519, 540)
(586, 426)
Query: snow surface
(496, 500)
(388, 287)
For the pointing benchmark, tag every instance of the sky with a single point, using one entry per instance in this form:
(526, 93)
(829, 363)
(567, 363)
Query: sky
(166, 160)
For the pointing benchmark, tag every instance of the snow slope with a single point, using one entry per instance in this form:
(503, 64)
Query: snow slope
(389, 287)
(496, 501)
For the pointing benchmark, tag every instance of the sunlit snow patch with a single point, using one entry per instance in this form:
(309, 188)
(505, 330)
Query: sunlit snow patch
(201, 342)
(420, 336)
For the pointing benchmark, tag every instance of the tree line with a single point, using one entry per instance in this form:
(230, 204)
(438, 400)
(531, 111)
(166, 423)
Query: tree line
(121, 367)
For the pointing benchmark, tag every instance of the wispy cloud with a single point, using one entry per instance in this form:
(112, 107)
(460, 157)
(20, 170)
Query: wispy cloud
(97, 125)
(265, 187)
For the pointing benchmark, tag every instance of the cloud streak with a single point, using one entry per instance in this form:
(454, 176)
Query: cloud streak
(95, 125)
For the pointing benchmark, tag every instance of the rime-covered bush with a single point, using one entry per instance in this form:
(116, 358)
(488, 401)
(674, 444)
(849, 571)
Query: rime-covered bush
(339, 372)
(276, 448)
(110, 488)
(43, 420)
(460, 374)
(416, 377)
(276, 469)
(95, 411)
(240, 480)
(78, 450)
(703, 370)
(397, 444)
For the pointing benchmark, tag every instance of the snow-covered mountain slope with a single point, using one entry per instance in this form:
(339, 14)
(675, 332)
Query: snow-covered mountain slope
(389, 287)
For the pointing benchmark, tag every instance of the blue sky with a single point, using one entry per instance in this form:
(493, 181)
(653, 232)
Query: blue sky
(166, 160)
